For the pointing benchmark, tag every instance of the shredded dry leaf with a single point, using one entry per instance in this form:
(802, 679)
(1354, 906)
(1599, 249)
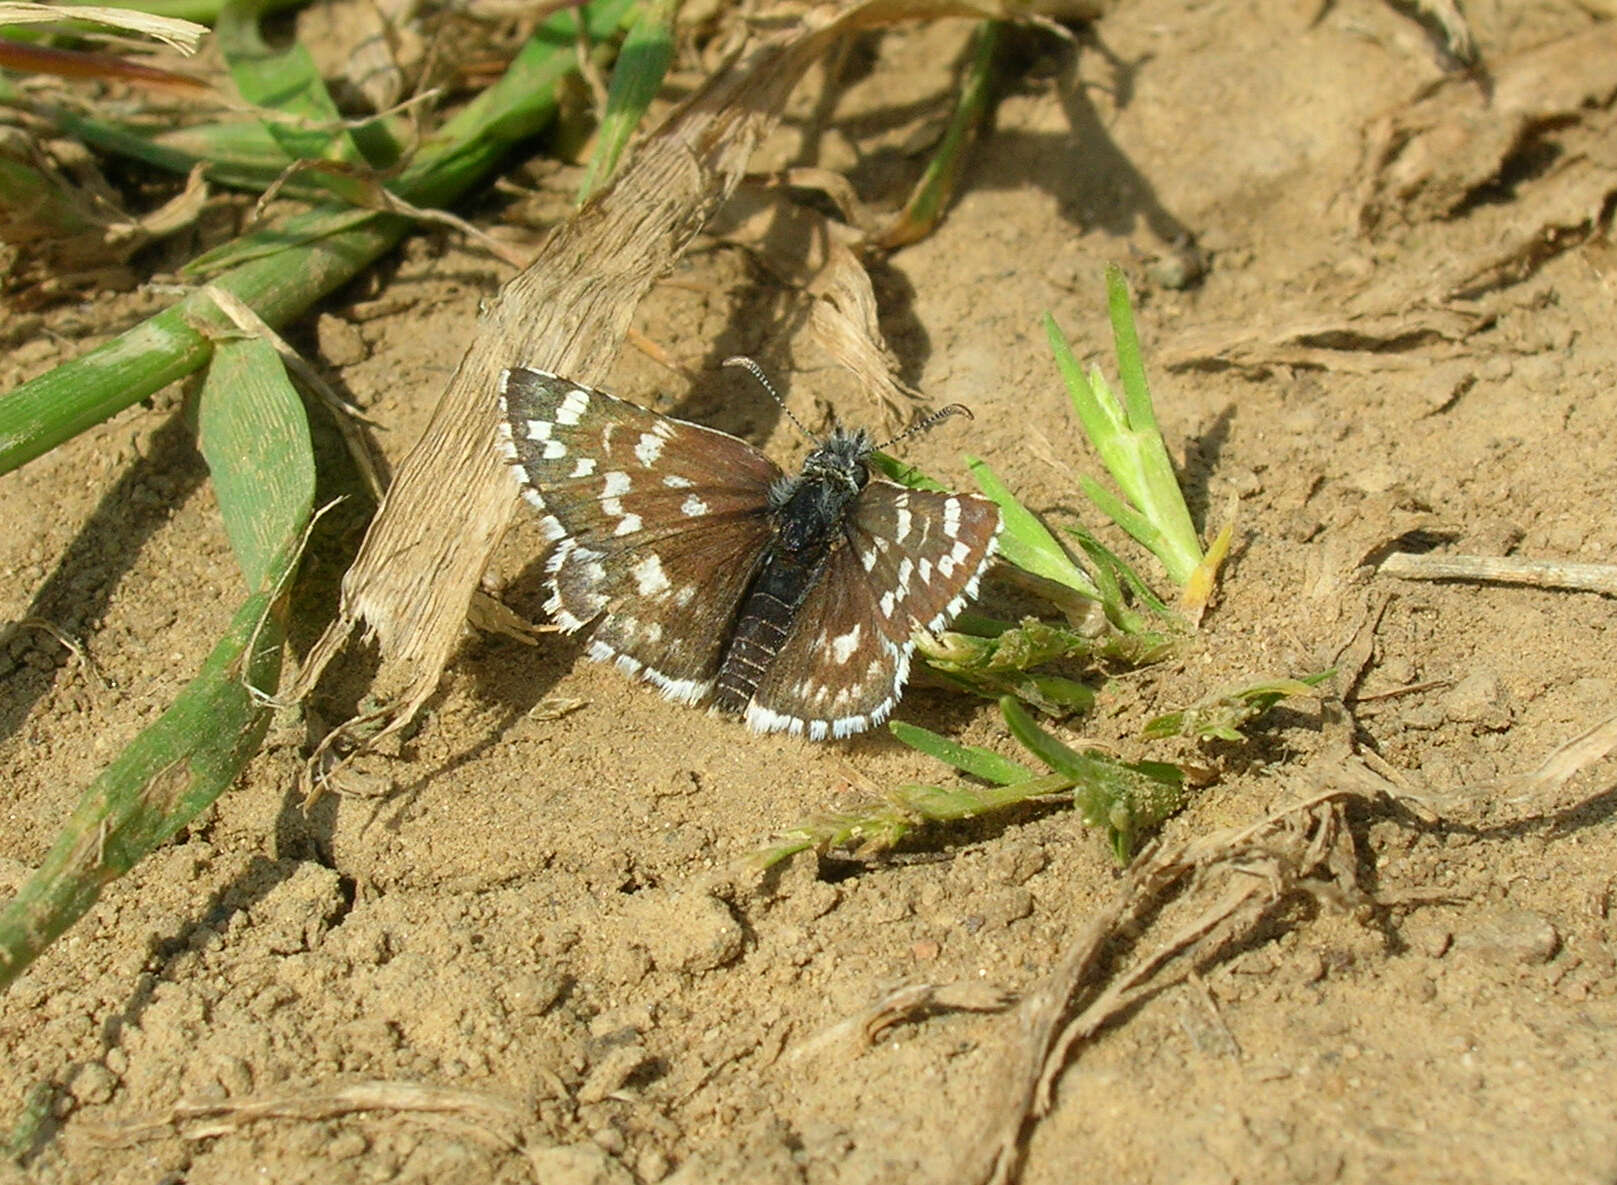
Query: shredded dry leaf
(1423, 161)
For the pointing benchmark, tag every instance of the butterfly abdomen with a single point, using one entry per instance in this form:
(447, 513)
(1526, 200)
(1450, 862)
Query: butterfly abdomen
(806, 525)
(764, 623)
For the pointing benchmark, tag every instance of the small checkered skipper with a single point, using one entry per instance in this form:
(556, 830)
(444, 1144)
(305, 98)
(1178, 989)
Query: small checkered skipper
(705, 569)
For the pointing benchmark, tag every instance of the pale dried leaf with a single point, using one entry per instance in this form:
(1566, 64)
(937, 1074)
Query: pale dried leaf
(1576, 755)
(180, 35)
(843, 321)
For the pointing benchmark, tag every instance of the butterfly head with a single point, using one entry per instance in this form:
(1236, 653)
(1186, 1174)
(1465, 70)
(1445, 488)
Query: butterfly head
(832, 475)
(841, 459)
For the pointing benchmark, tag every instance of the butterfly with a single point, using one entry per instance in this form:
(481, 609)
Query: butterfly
(792, 601)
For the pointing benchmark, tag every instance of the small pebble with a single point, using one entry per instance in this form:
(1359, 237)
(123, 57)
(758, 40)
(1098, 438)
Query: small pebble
(92, 1083)
(1478, 699)
(578, 1164)
(339, 341)
(690, 933)
(611, 1072)
(1511, 935)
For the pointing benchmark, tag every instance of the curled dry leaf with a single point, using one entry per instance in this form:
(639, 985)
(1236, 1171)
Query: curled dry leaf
(843, 321)
(1425, 160)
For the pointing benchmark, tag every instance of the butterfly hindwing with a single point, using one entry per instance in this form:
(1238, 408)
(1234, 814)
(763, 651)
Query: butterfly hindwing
(657, 523)
(908, 560)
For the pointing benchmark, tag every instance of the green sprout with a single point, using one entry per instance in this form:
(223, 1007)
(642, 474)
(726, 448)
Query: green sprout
(1222, 714)
(1129, 441)
(1123, 799)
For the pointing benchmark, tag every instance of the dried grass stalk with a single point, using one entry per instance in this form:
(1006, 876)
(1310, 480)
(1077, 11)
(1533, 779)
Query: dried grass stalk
(1222, 887)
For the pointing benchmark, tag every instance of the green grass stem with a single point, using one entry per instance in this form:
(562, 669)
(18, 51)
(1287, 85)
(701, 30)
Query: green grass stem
(638, 75)
(937, 185)
(255, 438)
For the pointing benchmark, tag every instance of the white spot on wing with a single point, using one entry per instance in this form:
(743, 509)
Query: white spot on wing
(675, 482)
(649, 448)
(693, 506)
(572, 407)
(902, 531)
(539, 429)
(842, 647)
(554, 450)
(615, 485)
(887, 602)
(628, 525)
(649, 575)
(584, 468)
(951, 517)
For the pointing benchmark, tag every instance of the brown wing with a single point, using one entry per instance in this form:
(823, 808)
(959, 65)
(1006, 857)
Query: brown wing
(659, 524)
(908, 560)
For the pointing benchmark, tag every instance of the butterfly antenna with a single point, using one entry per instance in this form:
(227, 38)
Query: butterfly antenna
(931, 421)
(757, 372)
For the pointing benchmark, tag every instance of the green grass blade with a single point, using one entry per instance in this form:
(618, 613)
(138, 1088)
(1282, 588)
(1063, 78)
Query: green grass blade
(254, 434)
(256, 441)
(979, 763)
(1140, 415)
(1144, 531)
(288, 83)
(1025, 541)
(1129, 442)
(1111, 574)
(641, 67)
(54, 407)
(1092, 401)
(937, 185)
(1040, 743)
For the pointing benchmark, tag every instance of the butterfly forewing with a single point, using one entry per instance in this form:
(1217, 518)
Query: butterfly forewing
(908, 560)
(657, 523)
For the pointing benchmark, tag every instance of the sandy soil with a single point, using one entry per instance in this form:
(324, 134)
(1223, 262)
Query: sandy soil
(532, 953)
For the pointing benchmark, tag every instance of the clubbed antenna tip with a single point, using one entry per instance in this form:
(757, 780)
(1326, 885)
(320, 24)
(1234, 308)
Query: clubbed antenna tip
(927, 422)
